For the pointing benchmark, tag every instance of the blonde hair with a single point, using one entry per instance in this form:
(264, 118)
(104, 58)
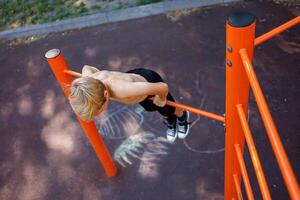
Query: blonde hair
(87, 96)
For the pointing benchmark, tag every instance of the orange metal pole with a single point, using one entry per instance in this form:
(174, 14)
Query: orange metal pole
(170, 103)
(277, 30)
(237, 187)
(59, 66)
(244, 171)
(240, 30)
(281, 157)
(254, 156)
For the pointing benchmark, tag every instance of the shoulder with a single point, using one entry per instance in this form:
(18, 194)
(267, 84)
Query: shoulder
(101, 75)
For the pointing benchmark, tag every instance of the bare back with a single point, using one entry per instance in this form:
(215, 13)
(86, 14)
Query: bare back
(114, 81)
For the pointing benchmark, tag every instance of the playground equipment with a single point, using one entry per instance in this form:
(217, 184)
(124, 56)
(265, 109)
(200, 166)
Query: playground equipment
(240, 75)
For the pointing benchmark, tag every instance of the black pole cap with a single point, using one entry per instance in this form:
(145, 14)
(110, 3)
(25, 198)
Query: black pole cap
(240, 19)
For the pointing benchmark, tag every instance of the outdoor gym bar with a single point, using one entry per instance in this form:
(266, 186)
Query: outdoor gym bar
(240, 75)
(237, 186)
(173, 104)
(244, 172)
(276, 31)
(253, 153)
(282, 159)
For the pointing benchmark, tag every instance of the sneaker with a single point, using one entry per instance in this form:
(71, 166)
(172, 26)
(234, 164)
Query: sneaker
(183, 127)
(171, 131)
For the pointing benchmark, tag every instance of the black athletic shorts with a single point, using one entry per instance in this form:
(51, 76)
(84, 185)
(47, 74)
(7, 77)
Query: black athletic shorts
(147, 104)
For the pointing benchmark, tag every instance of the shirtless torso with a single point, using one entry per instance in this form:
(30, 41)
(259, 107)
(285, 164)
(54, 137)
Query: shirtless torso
(126, 88)
(115, 82)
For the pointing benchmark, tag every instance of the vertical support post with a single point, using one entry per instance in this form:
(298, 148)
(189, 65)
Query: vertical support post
(58, 65)
(240, 33)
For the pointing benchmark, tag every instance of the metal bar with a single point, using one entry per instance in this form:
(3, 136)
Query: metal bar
(173, 104)
(59, 67)
(244, 171)
(197, 111)
(240, 29)
(253, 153)
(237, 187)
(281, 157)
(276, 31)
(72, 73)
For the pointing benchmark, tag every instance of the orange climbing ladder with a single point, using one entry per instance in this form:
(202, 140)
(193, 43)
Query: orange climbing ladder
(240, 76)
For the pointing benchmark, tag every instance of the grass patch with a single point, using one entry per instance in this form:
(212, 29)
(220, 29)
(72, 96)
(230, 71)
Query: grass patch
(16, 13)
(175, 15)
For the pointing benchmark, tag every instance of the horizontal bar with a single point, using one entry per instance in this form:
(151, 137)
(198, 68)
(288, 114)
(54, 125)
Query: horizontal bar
(173, 104)
(237, 187)
(281, 157)
(254, 155)
(72, 73)
(244, 172)
(276, 31)
(197, 111)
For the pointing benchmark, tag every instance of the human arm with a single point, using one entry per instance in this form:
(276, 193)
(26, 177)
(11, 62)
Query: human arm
(131, 89)
(88, 70)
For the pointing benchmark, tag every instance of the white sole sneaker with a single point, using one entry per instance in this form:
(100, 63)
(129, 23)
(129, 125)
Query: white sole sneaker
(172, 138)
(182, 135)
(171, 133)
